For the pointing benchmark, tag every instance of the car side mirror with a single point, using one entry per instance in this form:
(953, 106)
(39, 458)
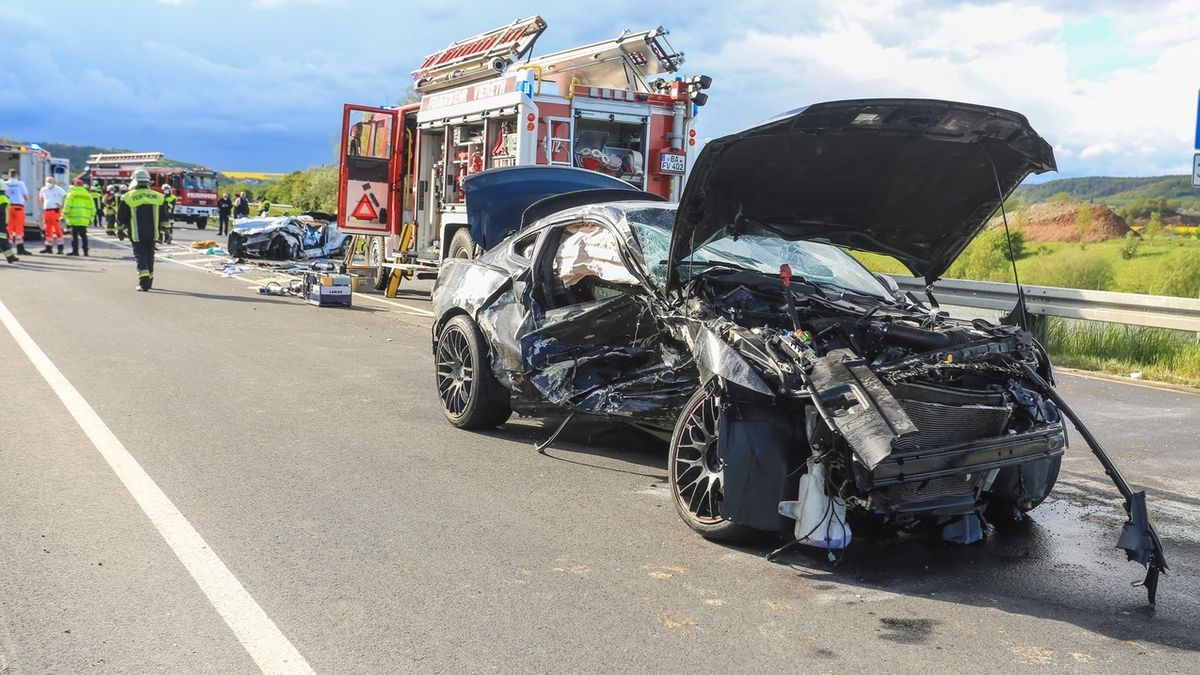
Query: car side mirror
(889, 283)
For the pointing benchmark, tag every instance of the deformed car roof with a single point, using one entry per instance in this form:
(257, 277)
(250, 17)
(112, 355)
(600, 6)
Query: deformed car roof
(915, 179)
(497, 198)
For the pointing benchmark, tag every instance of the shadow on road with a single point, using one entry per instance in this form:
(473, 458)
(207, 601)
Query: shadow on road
(583, 437)
(1059, 563)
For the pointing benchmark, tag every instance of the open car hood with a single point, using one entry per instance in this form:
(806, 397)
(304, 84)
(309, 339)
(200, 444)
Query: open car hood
(497, 198)
(909, 178)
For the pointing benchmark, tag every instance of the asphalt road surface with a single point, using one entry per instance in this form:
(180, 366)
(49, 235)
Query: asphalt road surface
(237, 482)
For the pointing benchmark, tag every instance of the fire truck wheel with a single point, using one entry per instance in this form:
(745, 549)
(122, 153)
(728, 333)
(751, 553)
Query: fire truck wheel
(461, 245)
(375, 259)
(201, 223)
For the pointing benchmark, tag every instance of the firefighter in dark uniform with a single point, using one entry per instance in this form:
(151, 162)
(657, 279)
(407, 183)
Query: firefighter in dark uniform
(166, 227)
(109, 204)
(139, 213)
(97, 198)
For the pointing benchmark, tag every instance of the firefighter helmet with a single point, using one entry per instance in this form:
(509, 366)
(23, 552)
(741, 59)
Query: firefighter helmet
(141, 177)
(3, 184)
(166, 189)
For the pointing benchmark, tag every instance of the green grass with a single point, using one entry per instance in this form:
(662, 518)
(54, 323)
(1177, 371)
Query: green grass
(1169, 265)
(1159, 354)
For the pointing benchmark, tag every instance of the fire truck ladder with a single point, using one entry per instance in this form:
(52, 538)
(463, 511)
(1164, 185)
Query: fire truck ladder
(119, 158)
(623, 61)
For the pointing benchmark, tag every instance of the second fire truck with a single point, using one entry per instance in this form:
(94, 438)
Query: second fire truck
(195, 188)
(613, 106)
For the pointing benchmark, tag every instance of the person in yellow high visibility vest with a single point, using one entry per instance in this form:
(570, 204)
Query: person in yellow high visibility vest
(79, 210)
(166, 228)
(139, 213)
(7, 250)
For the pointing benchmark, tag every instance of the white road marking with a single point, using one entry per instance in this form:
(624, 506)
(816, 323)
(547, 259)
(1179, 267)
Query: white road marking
(256, 631)
(415, 310)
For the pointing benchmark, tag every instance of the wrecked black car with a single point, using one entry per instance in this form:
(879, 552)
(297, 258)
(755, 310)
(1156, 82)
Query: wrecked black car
(308, 235)
(799, 392)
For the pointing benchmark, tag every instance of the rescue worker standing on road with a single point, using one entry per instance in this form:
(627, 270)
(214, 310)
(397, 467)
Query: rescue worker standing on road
(241, 206)
(109, 204)
(17, 194)
(79, 210)
(139, 213)
(52, 197)
(97, 196)
(224, 209)
(9, 256)
(166, 229)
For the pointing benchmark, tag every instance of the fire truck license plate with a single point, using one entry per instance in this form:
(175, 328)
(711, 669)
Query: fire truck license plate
(672, 163)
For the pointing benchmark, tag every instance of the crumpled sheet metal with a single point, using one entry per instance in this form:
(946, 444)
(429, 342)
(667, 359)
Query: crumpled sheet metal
(714, 356)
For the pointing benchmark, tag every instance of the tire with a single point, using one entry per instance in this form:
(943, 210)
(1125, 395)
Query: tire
(472, 397)
(694, 470)
(461, 245)
(201, 223)
(375, 259)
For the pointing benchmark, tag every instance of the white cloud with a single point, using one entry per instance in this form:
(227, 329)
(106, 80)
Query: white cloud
(1134, 120)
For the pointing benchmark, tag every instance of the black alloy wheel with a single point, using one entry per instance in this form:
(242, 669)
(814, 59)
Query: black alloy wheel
(695, 470)
(471, 396)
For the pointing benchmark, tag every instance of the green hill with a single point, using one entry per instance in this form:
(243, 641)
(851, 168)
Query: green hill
(1115, 192)
(78, 154)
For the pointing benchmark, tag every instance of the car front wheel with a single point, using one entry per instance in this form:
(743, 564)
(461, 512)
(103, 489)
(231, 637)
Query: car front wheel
(472, 397)
(695, 470)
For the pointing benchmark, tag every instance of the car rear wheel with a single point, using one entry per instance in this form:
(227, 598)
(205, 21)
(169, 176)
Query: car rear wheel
(472, 397)
(695, 471)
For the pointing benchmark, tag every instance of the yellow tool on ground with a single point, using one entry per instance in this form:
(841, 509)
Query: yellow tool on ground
(407, 232)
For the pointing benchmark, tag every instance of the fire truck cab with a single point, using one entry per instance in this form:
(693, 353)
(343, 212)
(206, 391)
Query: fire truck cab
(195, 188)
(595, 107)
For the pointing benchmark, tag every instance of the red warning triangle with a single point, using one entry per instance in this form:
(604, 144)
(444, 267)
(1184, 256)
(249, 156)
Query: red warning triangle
(364, 210)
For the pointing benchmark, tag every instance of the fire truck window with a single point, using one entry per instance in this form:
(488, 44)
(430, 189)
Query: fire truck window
(369, 135)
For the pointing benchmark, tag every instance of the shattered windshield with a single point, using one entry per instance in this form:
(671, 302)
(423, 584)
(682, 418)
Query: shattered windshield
(814, 261)
(652, 229)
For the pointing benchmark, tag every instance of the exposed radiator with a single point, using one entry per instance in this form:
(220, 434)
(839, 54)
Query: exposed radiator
(941, 422)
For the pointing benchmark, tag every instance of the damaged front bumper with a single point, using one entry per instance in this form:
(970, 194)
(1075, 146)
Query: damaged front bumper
(973, 457)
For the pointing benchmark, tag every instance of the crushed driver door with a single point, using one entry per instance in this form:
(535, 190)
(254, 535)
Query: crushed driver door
(599, 348)
(369, 170)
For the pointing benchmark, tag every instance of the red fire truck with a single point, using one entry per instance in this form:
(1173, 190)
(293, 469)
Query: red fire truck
(485, 102)
(195, 188)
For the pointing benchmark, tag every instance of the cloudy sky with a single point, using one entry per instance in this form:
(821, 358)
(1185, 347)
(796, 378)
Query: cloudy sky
(257, 85)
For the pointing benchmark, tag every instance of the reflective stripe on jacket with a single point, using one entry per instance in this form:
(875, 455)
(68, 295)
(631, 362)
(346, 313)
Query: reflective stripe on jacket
(139, 211)
(79, 208)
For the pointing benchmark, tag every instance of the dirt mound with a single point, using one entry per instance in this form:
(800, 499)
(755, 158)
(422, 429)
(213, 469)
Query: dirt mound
(1058, 222)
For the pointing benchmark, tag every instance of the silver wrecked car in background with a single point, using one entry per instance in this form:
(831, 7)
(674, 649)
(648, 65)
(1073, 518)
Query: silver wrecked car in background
(312, 234)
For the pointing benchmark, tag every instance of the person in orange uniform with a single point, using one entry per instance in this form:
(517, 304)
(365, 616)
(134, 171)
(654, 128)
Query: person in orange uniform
(52, 197)
(17, 195)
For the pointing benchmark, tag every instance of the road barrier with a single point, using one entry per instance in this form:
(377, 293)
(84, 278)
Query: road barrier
(1133, 309)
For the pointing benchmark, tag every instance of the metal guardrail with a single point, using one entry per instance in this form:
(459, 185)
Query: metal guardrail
(1127, 308)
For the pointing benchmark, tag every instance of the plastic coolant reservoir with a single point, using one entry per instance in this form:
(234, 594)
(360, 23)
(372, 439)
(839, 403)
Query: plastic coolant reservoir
(820, 518)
